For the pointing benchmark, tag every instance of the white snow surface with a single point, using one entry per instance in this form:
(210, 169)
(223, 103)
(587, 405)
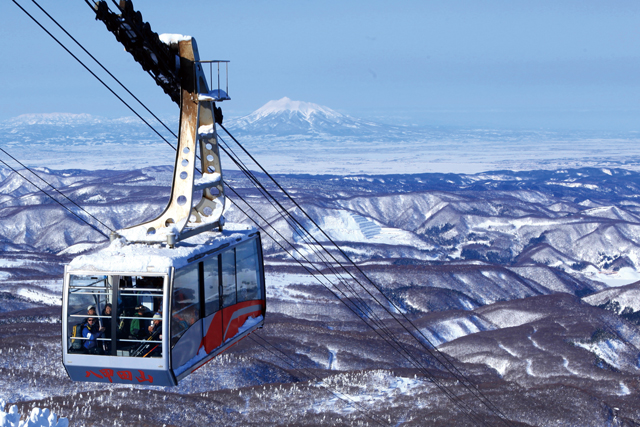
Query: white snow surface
(386, 386)
(77, 248)
(119, 257)
(508, 318)
(626, 297)
(622, 277)
(286, 104)
(208, 179)
(173, 38)
(36, 295)
(37, 418)
(608, 350)
(206, 130)
(452, 329)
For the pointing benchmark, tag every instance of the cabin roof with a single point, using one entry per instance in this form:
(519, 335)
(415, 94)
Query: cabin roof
(157, 258)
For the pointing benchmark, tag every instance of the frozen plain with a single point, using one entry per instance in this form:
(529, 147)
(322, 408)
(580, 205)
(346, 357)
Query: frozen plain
(299, 137)
(486, 264)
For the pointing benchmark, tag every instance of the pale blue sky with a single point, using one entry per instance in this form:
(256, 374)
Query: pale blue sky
(533, 64)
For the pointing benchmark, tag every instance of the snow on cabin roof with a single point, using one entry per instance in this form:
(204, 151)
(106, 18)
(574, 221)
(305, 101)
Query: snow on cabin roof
(173, 38)
(157, 258)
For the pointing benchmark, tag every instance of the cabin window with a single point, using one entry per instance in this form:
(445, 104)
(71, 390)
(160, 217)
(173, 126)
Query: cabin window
(185, 304)
(139, 317)
(247, 269)
(228, 277)
(115, 322)
(88, 296)
(211, 286)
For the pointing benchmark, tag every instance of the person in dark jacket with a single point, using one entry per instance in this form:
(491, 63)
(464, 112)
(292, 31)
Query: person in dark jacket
(153, 333)
(155, 329)
(139, 325)
(106, 323)
(91, 311)
(92, 331)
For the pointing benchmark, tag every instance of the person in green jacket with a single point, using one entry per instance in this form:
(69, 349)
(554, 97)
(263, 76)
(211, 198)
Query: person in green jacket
(139, 325)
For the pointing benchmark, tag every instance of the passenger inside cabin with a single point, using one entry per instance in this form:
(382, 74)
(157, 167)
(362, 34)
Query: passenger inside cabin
(106, 323)
(92, 331)
(155, 329)
(139, 326)
(91, 311)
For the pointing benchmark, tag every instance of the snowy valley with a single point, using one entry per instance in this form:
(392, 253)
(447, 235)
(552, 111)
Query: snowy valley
(526, 278)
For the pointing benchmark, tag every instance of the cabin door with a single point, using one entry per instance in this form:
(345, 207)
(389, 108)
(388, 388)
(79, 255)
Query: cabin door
(212, 290)
(228, 279)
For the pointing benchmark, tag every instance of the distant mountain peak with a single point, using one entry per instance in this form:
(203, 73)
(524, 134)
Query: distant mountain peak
(287, 105)
(284, 117)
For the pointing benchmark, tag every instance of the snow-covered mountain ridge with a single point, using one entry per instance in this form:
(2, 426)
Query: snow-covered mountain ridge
(66, 119)
(286, 117)
(492, 268)
(301, 137)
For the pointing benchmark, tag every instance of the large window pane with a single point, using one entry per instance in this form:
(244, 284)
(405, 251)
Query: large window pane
(185, 307)
(92, 329)
(139, 317)
(228, 277)
(247, 271)
(88, 297)
(211, 286)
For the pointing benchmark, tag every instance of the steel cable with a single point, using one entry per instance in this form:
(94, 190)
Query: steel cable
(58, 191)
(54, 199)
(449, 366)
(124, 102)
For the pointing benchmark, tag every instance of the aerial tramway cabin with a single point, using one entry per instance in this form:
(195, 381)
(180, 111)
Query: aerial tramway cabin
(208, 294)
(169, 294)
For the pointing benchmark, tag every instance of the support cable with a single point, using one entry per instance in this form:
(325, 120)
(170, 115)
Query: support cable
(450, 394)
(104, 68)
(126, 104)
(449, 366)
(363, 306)
(54, 199)
(55, 189)
(91, 72)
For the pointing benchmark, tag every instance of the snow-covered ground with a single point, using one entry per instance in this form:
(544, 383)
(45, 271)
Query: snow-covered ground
(622, 277)
(491, 267)
(37, 418)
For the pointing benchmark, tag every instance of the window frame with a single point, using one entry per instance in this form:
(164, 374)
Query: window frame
(113, 279)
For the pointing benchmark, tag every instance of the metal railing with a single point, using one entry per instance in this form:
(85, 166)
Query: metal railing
(226, 74)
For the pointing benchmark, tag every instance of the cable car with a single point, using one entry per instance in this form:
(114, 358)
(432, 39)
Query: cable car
(167, 295)
(203, 296)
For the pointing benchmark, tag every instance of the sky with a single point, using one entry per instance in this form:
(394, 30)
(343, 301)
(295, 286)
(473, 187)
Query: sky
(509, 64)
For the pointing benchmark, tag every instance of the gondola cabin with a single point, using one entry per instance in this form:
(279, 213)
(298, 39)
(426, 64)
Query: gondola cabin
(169, 294)
(161, 313)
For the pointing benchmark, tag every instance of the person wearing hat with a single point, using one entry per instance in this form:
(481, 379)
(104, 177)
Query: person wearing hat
(92, 331)
(139, 326)
(91, 311)
(153, 333)
(156, 326)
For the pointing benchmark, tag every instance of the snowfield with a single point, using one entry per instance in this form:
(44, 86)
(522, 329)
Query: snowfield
(526, 279)
(37, 418)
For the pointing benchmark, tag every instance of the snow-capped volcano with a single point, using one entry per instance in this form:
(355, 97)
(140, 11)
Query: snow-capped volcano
(286, 117)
